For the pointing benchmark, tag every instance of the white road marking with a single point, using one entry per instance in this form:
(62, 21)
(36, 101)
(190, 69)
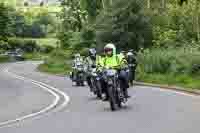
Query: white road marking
(170, 91)
(47, 88)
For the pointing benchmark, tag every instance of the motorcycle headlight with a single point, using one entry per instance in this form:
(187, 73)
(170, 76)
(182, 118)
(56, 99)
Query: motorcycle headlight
(111, 72)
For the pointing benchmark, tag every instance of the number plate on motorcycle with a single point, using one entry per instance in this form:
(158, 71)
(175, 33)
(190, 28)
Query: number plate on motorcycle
(110, 82)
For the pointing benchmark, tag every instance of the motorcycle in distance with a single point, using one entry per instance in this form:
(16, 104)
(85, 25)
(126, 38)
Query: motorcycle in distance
(80, 74)
(115, 92)
(95, 83)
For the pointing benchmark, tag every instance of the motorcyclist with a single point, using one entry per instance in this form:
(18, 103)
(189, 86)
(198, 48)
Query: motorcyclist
(75, 63)
(132, 61)
(112, 60)
(122, 55)
(90, 62)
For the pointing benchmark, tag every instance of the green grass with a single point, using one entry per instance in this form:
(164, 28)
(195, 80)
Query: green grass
(43, 41)
(35, 56)
(4, 59)
(185, 81)
(51, 8)
(57, 68)
(57, 63)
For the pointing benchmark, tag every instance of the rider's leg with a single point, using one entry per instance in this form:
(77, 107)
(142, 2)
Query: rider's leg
(123, 77)
(88, 78)
(132, 75)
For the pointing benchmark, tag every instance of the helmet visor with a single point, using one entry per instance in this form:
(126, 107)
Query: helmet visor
(106, 50)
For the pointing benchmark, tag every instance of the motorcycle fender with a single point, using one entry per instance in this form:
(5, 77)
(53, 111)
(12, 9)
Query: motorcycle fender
(97, 78)
(110, 82)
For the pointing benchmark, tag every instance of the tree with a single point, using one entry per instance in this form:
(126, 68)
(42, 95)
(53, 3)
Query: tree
(72, 15)
(26, 4)
(4, 21)
(93, 8)
(124, 25)
(182, 1)
(42, 3)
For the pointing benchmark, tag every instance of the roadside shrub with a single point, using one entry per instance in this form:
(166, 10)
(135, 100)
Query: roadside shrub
(26, 45)
(46, 49)
(84, 52)
(175, 61)
(155, 61)
(3, 45)
(30, 46)
(4, 59)
(58, 54)
(14, 43)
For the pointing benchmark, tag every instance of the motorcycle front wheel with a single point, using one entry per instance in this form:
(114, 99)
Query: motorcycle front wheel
(112, 98)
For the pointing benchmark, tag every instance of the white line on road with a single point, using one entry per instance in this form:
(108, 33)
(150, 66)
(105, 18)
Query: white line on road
(47, 88)
(170, 91)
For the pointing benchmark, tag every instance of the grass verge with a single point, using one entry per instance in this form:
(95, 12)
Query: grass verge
(58, 68)
(4, 59)
(35, 56)
(57, 63)
(44, 41)
(185, 81)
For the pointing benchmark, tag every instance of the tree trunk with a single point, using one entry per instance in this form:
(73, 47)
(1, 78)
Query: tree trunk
(197, 20)
(164, 4)
(103, 4)
(148, 4)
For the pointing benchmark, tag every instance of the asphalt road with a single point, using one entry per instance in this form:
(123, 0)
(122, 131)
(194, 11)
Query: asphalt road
(151, 110)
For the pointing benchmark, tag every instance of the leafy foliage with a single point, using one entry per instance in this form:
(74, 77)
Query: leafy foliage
(4, 21)
(125, 25)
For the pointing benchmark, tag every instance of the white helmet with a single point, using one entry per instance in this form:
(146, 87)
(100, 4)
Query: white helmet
(77, 55)
(109, 47)
(129, 54)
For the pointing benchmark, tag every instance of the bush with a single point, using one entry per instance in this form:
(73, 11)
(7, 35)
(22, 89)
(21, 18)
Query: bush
(84, 52)
(26, 45)
(175, 61)
(155, 61)
(3, 45)
(4, 59)
(46, 49)
(58, 53)
(125, 25)
(30, 46)
(57, 62)
(14, 43)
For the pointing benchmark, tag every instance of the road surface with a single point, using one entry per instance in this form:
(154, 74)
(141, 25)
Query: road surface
(75, 110)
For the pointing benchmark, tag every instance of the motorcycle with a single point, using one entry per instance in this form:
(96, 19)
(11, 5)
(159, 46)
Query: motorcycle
(80, 74)
(116, 95)
(95, 83)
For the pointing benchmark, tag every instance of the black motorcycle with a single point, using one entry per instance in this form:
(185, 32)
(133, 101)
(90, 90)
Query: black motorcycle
(95, 83)
(116, 95)
(80, 74)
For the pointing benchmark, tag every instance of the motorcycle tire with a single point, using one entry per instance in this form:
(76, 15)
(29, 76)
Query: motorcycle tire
(112, 98)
